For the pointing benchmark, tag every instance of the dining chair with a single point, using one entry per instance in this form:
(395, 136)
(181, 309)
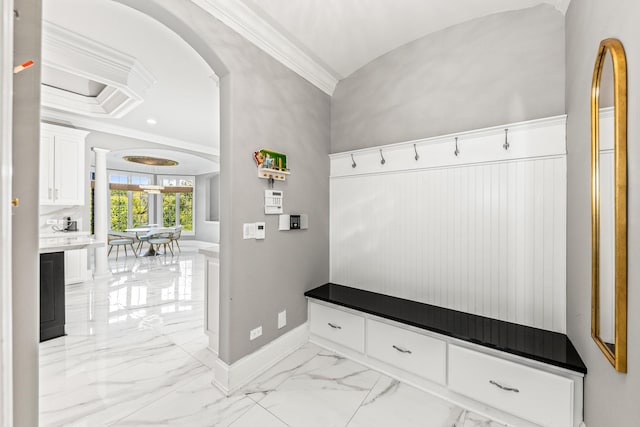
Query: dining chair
(176, 236)
(117, 239)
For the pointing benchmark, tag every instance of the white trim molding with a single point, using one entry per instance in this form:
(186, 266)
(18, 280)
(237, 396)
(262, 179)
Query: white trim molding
(230, 378)
(96, 125)
(242, 19)
(6, 299)
(126, 79)
(515, 141)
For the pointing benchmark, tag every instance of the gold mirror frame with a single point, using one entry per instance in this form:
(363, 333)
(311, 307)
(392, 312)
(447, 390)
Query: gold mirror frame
(617, 356)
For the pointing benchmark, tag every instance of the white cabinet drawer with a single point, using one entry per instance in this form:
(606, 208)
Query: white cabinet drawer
(338, 326)
(406, 350)
(529, 393)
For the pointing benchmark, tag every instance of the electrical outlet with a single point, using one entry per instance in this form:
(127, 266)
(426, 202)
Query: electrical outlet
(282, 319)
(255, 333)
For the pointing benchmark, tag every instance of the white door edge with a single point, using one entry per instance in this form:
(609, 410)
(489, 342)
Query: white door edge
(6, 107)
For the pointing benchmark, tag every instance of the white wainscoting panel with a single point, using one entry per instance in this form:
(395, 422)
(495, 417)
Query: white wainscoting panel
(488, 239)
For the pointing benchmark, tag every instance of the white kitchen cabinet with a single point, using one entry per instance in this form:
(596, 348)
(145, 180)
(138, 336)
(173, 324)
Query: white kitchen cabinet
(62, 165)
(75, 266)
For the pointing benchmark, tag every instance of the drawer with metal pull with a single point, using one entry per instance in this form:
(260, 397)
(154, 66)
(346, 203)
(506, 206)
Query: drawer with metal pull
(412, 352)
(529, 393)
(338, 326)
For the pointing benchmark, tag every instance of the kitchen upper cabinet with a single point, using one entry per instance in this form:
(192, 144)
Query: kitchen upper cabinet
(62, 165)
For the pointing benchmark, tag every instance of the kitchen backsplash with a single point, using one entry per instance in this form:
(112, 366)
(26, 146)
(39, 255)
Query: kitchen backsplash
(59, 213)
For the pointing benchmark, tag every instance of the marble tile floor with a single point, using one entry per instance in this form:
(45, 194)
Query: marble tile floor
(135, 355)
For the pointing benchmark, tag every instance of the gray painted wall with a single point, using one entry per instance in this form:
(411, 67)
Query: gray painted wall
(263, 105)
(26, 265)
(500, 69)
(611, 399)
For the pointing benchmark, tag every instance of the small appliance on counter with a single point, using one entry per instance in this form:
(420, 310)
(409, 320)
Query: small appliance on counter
(68, 225)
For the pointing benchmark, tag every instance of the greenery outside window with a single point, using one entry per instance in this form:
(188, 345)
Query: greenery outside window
(129, 206)
(177, 202)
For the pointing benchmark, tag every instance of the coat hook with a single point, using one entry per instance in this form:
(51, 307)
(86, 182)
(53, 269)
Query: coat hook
(506, 139)
(382, 161)
(416, 151)
(353, 162)
(457, 151)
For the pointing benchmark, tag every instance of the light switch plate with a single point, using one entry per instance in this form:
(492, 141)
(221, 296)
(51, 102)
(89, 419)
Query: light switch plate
(249, 230)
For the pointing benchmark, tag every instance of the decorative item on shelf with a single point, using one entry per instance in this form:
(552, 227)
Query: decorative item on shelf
(271, 165)
(456, 152)
(506, 139)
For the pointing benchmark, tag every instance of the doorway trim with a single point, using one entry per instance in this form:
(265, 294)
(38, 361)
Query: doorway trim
(6, 117)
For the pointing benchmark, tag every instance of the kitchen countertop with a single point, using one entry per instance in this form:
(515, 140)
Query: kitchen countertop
(213, 251)
(537, 344)
(67, 242)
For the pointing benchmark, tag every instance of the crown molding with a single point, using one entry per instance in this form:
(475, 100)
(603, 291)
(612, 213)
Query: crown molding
(126, 79)
(239, 17)
(90, 124)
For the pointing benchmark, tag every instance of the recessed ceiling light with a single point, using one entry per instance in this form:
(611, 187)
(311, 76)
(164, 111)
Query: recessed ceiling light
(151, 161)
(151, 121)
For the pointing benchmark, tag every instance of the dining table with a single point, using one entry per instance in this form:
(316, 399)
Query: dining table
(144, 230)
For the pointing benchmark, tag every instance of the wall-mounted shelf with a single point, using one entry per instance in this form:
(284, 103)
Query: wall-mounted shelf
(275, 174)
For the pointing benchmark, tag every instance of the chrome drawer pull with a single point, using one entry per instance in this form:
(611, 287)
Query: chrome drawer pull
(334, 326)
(401, 350)
(505, 388)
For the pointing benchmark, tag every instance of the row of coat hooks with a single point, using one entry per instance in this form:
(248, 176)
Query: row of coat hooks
(456, 152)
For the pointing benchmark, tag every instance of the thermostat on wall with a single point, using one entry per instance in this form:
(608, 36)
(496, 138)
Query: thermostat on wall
(273, 202)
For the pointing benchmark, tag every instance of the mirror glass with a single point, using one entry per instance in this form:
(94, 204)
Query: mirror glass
(609, 203)
(607, 225)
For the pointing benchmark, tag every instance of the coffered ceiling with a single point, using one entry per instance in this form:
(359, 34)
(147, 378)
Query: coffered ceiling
(112, 69)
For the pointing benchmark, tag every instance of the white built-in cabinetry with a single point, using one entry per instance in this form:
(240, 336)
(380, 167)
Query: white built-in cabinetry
(510, 389)
(75, 266)
(62, 165)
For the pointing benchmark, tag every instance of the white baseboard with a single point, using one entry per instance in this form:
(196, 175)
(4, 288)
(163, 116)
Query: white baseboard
(230, 378)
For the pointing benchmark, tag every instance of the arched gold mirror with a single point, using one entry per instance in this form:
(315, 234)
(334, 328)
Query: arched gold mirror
(609, 203)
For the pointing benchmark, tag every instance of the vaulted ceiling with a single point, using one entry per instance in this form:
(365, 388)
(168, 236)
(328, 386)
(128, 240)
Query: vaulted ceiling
(327, 40)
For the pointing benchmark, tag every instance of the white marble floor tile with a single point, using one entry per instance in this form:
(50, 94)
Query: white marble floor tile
(471, 419)
(281, 371)
(394, 403)
(101, 397)
(257, 416)
(326, 391)
(198, 403)
(199, 348)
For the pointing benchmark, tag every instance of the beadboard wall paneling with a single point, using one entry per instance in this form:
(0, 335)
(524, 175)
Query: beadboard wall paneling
(484, 238)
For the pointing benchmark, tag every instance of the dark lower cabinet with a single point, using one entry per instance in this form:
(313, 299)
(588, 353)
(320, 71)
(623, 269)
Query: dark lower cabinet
(51, 295)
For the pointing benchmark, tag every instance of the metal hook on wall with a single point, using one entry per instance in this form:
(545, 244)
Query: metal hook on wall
(457, 151)
(506, 139)
(353, 162)
(416, 151)
(382, 160)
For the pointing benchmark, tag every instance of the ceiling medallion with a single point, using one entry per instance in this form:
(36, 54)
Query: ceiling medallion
(151, 161)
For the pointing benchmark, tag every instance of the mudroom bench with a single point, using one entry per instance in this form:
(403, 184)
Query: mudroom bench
(515, 374)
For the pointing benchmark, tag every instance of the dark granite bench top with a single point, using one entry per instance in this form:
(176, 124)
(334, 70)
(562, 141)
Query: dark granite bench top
(549, 347)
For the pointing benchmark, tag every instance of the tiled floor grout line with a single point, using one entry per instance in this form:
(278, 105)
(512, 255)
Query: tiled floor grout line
(364, 399)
